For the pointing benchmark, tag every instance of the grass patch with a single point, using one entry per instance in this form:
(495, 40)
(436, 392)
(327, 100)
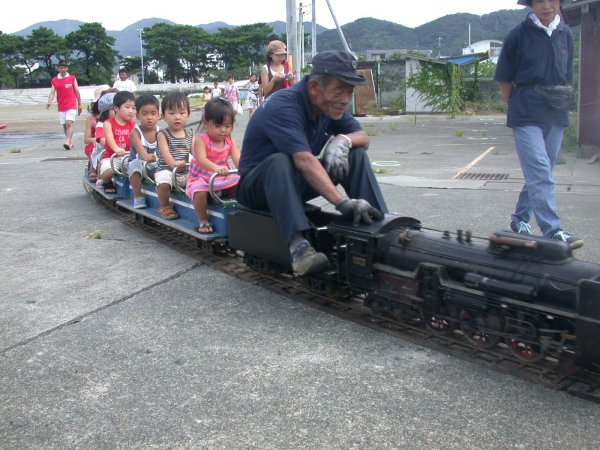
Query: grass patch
(379, 170)
(196, 102)
(93, 234)
(570, 137)
(483, 133)
(372, 132)
(459, 133)
(15, 150)
(561, 160)
(393, 126)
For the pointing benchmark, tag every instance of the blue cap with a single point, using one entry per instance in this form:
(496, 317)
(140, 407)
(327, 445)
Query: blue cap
(106, 102)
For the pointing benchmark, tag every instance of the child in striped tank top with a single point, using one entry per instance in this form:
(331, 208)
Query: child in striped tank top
(174, 147)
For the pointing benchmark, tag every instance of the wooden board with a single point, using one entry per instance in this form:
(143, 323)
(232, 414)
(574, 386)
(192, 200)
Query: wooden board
(364, 96)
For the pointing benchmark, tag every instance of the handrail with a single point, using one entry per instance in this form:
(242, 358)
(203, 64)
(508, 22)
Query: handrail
(211, 188)
(112, 163)
(145, 174)
(175, 186)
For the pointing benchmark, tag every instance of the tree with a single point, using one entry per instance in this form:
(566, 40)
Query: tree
(441, 86)
(162, 46)
(195, 44)
(131, 63)
(243, 47)
(43, 45)
(92, 47)
(14, 54)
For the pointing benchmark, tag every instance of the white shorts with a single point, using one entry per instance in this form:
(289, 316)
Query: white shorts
(96, 155)
(117, 161)
(166, 177)
(65, 116)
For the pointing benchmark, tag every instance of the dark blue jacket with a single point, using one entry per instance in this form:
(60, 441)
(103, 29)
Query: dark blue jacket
(529, 57)
(284, 123)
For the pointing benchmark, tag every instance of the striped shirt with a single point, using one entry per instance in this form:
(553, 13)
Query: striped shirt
(180, 148)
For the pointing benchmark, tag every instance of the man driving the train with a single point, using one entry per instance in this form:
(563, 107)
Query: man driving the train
(301, 143)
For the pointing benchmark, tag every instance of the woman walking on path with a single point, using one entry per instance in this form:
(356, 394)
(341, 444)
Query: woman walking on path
(537, 61)
(232, 93)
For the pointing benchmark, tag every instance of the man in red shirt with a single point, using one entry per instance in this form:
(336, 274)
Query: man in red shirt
(68, 98)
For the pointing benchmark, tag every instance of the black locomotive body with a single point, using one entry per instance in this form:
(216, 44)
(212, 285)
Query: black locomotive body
(528, 292)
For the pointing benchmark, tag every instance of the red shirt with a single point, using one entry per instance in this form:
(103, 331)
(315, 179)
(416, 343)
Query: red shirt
(65, 92)
(122, 135)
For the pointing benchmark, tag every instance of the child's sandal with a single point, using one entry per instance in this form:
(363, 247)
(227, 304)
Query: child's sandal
(205, 228)
(109, 188)
(168, 213)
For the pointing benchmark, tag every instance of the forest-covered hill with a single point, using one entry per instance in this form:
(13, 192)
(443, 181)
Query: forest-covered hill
(446, 35)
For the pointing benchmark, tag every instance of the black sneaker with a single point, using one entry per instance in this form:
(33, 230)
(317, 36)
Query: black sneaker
(567, 237)
(306, 260)
(518, 226)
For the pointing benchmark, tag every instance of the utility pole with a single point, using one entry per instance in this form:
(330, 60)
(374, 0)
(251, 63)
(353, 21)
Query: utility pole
(300, 37)
(439, 47)
(292, 36)
(313, 29)
(141, 32)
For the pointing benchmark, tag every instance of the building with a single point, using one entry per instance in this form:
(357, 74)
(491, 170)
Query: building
(490, 46)
(380, 55)
(586, 14)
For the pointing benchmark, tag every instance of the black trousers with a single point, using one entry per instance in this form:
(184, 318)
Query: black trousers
(276, 186)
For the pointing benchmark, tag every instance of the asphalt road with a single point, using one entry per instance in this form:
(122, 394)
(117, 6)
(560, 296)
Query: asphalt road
(123, 342)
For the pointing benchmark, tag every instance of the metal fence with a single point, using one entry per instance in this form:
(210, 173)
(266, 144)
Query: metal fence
(389, 79)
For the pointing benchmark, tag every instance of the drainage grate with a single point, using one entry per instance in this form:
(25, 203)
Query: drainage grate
(481, 176)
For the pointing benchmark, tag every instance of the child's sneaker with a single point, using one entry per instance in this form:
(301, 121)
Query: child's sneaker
(139, 203)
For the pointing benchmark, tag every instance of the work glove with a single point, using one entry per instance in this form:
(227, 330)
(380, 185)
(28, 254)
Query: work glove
(334, 157)
(359, 210)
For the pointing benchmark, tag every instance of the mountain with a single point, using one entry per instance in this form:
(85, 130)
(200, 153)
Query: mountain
(446, 35)
(127, 41)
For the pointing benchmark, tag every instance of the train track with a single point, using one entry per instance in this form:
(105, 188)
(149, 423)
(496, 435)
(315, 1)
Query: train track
(549, 373)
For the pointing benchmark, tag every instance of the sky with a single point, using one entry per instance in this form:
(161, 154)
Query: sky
(116, 15)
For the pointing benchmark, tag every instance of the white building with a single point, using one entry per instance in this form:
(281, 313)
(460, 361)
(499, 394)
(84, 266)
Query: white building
(380, 55)
(490, 46)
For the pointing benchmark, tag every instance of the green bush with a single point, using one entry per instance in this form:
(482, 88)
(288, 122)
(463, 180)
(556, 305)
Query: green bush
(570, 137)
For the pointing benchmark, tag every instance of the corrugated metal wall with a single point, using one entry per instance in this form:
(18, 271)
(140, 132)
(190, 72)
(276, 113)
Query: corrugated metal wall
(589, 104)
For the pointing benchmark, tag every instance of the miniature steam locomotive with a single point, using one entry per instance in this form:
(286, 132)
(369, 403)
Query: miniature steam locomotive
(525, 292)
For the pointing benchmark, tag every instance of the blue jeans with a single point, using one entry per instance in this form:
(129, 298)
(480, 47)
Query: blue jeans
(538, 150)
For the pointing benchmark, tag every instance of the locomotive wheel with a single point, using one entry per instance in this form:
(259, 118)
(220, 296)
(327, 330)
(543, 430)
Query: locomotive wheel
(525, 348)
(474, 324)
(437, 324)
